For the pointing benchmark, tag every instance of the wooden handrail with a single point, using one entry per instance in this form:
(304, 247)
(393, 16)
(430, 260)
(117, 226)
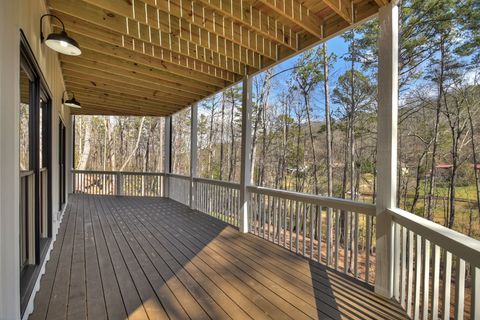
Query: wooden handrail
(227, 184)
(179, 176)
(327, 202)
(455, 242)
(118, 172)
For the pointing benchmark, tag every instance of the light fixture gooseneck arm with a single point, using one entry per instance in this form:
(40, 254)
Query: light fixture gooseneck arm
(41, 24)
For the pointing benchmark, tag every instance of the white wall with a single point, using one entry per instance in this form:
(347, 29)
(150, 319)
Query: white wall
(25, 15)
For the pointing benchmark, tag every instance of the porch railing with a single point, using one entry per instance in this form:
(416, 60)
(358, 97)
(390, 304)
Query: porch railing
(220, 199)
(144, 184)
(179, 188)
(336, 232)
(436, 271)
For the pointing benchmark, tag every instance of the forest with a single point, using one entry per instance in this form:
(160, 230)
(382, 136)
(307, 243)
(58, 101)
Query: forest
(315, 117)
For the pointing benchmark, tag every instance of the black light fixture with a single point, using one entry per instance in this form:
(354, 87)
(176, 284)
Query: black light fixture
(60, 41)
(71, 103)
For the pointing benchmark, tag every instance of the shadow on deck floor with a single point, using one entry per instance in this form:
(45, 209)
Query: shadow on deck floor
(153, 258)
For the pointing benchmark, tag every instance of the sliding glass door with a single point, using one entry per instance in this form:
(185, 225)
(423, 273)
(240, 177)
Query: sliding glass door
(35, 171)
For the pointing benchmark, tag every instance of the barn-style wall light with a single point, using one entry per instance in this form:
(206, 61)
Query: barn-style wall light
(60, 41)
(71, 103)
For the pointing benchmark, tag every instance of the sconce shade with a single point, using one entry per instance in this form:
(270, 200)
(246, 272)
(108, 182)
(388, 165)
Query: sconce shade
(72, 103)
(62, 43)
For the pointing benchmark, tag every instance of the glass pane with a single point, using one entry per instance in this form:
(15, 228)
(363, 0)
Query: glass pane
(25, 85)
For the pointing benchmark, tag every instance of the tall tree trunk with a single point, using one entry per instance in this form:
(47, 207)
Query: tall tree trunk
(474, 156)
(221, 135)
(210, 141)
(328, 122)
(312, 141)
(137, 143)
(431, 185)
(82, 163)
(418, 179)
(232, 141)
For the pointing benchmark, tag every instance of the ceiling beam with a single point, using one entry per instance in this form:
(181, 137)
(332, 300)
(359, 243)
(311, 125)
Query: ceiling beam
(254, 19)
(296, 13)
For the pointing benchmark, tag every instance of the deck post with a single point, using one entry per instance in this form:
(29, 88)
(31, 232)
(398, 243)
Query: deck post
(193, 154)
(245, 166)
(167, 154)
(386, 145)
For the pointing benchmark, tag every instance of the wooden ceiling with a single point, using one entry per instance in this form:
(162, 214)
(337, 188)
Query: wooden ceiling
(155, 57)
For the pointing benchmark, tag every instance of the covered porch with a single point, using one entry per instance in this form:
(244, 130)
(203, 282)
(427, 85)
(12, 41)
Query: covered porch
(146, 245)
(138, 258)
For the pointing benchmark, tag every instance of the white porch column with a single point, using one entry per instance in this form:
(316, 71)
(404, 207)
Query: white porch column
(386, 145)
(193, 154)
(167, 156)
(245, 168)
(9, 161)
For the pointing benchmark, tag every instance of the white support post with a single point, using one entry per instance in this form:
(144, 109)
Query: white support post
(167, 155)
(386, 145)
(193, 154)
(245, 169)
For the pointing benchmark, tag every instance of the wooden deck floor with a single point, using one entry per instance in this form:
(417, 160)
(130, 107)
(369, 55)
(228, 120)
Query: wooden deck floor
(151, 258)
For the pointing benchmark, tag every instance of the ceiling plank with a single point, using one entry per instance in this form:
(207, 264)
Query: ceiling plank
(75, 82)
(91, 20)
(298, 14)
(93, 74)
(92, 96)
(107, 102)
(137, 67)
(153, 62)
(88, 61)
(152, 85)
(113, 110)
(254, 19)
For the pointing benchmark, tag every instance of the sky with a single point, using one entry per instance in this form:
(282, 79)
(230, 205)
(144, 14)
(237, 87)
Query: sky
(335, 45)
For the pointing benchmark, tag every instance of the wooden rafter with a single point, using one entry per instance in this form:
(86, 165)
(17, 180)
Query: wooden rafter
(190, 15)
(92, 26)
(155, 27)
(341, 7)
(296, 13)
(254, 19)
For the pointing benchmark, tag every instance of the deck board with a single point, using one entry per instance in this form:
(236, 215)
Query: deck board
(154, 258)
